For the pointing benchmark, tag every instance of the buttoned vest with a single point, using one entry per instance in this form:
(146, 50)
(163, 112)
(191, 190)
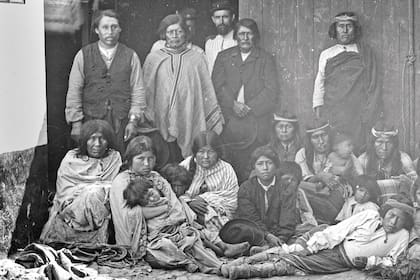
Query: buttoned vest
(106, 89)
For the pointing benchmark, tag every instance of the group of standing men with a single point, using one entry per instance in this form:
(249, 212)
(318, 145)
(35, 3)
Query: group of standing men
(181, 88)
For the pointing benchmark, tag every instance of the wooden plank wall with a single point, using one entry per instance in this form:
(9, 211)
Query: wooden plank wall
(140, 20)
(295, 31)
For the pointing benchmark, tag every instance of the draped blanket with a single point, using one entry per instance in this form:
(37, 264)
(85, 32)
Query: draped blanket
(167, 241)
(180, 96)
(81, 208)
(352, 91)
(221, 195)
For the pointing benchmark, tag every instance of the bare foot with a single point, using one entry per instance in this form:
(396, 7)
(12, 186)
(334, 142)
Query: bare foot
(233, 250)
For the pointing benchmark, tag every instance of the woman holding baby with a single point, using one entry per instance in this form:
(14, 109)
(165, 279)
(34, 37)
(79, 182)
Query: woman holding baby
(150, 219)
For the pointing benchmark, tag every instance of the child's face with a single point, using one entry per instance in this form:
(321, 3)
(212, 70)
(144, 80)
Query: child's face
(417, 195)
(153, 195)
(289, 181)
(361, 195)
(178, 187)
(344, 149)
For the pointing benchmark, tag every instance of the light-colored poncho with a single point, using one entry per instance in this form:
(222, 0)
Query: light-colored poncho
(180, 96)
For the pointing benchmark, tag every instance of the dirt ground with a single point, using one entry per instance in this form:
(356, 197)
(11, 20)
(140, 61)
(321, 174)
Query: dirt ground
(183, 275)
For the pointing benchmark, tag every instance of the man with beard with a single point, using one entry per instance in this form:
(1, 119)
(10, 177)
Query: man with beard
(222, 17)
(106, 82)
(245, 80)
(347, 90)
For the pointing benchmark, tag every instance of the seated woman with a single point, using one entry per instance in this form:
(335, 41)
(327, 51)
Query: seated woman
(162, 233)
(366, 240)
(285, 139)
(80, 212)
(269, 199)
(213, 191)
(393, 169)
(313, 160)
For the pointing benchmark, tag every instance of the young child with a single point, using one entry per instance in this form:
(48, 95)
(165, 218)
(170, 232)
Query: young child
(342, 161)
(140, 192)
(343, 164)
(365, 197)
(179, 177)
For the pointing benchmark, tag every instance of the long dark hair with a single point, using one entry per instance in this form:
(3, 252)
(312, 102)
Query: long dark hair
(135, 194)
(95, 126)
(309, 148)
(136, 146)
(372, 158)
(274, 141)
(205, 138)
(332, 31)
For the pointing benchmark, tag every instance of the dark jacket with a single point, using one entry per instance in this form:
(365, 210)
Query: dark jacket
(282, 215)
(258, 75)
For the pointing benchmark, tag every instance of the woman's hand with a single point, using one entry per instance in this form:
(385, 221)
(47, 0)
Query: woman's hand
(273, 240)
(198, 205)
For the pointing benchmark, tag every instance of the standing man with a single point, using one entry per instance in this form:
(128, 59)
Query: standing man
(222, 17)
(106, 82)
(347, 86)
(245, 80)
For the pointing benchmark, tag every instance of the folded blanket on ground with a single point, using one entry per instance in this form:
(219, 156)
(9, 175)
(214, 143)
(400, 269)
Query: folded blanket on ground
(55, 265)
(61, 263)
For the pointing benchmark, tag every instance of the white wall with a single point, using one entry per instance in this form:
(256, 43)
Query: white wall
(22, 75)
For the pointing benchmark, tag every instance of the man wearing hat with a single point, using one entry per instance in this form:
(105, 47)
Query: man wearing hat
(245, 81)
(365, 240)
(222, 16)
(347, 90)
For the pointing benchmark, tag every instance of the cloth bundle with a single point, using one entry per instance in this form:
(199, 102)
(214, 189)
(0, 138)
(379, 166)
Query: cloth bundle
(55, 265)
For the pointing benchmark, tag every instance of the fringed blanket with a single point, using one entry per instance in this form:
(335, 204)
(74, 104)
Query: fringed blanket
(180, 96)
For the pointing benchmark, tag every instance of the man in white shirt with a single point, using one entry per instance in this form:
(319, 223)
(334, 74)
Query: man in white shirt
(366, 240)
(223, 17)
(347, 90)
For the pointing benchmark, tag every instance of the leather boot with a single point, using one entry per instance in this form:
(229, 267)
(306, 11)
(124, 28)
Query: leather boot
(263, 270)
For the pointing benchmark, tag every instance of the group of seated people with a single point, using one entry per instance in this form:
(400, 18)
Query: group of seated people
(311, 208)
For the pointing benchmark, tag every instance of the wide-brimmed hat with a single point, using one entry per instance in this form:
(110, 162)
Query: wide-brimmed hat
(240, 133)
(242, 230)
